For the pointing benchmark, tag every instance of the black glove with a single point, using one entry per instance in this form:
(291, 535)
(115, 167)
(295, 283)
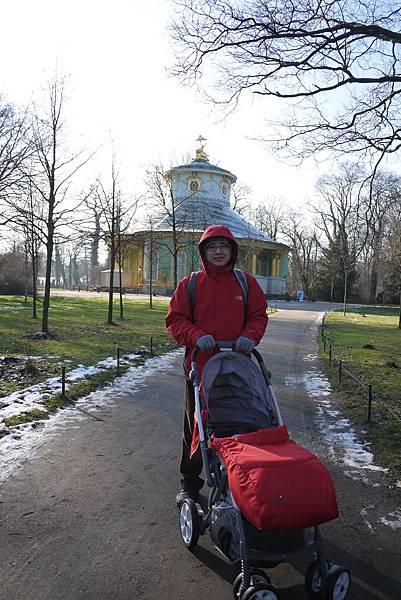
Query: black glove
(244, 345)
(206, 343)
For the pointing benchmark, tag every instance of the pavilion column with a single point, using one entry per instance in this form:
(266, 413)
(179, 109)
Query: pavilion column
(254, 262)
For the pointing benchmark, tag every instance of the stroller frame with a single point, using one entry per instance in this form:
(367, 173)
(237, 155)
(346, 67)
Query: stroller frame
(322, 578)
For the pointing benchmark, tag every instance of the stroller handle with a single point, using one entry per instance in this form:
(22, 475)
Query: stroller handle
(230, 347)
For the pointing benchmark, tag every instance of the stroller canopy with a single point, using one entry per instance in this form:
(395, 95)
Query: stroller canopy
(235, 395)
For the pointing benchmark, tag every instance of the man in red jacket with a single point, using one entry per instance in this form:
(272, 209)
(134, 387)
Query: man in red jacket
(221, 313)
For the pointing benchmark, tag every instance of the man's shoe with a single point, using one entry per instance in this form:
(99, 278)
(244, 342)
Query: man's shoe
(185, 494)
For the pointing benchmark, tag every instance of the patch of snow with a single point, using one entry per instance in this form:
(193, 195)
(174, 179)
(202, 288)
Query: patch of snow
(364, 513)
(341, 438)
(316, 385)
(26, 439)
(393, 520)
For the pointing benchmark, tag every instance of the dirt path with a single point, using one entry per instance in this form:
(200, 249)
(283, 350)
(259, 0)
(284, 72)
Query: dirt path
(92, 514)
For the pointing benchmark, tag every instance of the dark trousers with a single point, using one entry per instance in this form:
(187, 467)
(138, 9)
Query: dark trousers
(190, 467)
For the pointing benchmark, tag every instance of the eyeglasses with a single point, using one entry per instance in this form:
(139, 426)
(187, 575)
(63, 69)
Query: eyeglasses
(213, 247)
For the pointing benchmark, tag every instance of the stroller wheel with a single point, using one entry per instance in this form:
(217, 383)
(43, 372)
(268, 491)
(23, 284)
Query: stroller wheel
(260, 591)
(189, 523)
(338, 583)
(257, 576)
(313, 580)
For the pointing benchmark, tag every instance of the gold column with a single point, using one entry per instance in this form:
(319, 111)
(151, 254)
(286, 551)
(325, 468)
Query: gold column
(274, 267)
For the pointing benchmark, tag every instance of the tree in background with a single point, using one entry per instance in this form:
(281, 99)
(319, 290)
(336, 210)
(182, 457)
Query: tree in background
(112, 219)
(384, 197)
(335, 65)
(15, 149)
(14, 279)
(392, 260)
(240, 202)
(342, 220)
(180, 217)
(51, 176)
(303, 242)
(270, 216)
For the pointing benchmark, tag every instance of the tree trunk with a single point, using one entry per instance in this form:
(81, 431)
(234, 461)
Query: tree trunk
(151, 274)
(46, 297)
(373, 284)
(111, 285)
(120, 283)
(34, 278)
(175, 261)
(345, 292)
(94, 258)
(399, 318)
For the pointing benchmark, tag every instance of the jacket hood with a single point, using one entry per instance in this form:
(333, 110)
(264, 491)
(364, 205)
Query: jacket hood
(218, 231)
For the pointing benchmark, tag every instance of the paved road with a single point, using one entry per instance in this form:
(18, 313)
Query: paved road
(92, 515)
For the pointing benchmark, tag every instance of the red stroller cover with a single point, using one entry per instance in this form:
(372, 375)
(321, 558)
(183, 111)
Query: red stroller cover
(277, 484)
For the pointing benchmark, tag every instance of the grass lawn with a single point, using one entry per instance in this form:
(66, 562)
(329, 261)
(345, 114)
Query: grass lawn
(369, 343)
(80, 337)
(79, 326)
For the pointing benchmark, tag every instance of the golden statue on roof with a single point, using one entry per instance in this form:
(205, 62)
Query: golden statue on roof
(200, 152)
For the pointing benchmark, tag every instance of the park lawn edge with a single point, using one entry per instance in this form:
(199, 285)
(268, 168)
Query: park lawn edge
(383, 432)
(56, 402)
(76, 390)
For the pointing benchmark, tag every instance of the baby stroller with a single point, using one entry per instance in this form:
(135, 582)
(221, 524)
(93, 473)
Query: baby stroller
(267, 494)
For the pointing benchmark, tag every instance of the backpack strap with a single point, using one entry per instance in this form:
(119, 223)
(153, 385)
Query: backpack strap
(242, 280)
(191, 288)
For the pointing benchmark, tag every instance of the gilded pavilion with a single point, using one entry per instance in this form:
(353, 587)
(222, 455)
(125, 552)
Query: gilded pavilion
(201, 194)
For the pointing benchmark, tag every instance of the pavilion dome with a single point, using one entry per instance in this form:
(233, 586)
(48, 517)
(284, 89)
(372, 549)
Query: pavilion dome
(201, 191)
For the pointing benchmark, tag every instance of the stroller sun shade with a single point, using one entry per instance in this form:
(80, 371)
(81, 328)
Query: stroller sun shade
(235, 395)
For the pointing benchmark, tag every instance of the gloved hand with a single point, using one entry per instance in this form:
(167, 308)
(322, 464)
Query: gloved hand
(244, 345)
(206, 343)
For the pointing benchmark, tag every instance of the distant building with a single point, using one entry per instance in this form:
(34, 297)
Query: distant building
(201, 193)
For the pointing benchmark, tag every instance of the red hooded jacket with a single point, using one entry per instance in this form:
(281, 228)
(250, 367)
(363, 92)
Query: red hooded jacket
(219, 304)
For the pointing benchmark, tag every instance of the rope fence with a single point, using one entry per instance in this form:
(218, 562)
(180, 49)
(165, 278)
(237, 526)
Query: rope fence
(344, 373)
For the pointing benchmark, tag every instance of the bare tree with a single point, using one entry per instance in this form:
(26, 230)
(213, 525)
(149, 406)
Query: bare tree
(172, 213)
(240, 193)
(32, 240)
(15, 147)
(392, 258)
(384, 197)
(50, 176)
(105, 201)
(270, 216)
(303, 242)
(314, 55)
(342, 218)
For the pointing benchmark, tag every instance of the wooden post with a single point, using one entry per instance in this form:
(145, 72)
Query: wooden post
(118, 360)
(324, 343)
(340, 366)
(151, 346)
(330, 353)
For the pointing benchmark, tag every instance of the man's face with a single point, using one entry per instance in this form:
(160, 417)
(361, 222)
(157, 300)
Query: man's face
(218, 253)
